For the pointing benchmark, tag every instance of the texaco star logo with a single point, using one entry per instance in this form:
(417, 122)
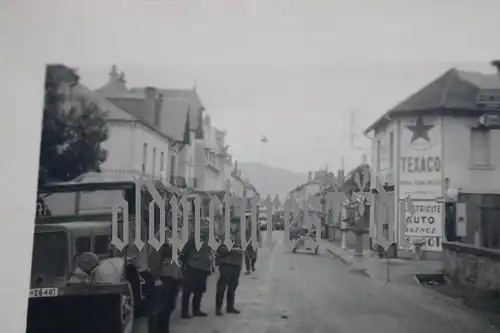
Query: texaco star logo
(420, 130)
(420, 134)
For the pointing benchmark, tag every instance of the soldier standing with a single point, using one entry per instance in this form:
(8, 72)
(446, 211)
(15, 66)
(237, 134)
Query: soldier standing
(168, 276)
(229, 263)
(251, 251)
(197, 268)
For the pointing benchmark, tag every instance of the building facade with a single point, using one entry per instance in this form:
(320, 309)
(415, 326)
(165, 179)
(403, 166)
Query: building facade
(434, 148)
(133, 145)
(313, 186)
(152, 130)
(234, 181)
(211, 158)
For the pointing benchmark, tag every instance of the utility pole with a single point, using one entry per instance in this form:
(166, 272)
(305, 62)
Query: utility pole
(353, 134)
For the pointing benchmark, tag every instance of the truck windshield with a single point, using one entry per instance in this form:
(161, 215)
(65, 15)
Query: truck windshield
(50, 255)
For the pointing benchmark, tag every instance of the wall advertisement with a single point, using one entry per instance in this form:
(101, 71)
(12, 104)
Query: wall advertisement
(426, 224)
(420, 177)
(420, 159)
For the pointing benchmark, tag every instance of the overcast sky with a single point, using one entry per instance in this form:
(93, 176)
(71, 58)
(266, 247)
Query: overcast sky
(290, 70)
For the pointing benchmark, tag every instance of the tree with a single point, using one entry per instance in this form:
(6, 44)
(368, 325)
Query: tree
(350, 185)
(72, 133)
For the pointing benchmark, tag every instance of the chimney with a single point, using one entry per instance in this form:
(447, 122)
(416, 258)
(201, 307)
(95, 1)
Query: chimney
(158, 109)
(121, 81)
(150, 93)
(309, 176)
(113, 75)
(496, 64)
(152, 105)
(206, 121)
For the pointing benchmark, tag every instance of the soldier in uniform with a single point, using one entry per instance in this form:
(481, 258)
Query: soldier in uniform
(168, 276)
(229, 263)
(251, 250)
(197, 268)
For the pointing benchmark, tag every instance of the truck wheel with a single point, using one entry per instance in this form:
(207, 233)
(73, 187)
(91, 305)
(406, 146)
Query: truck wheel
(132, 277)
(127, 310)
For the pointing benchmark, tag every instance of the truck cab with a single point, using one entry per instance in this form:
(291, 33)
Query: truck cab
(74, 261)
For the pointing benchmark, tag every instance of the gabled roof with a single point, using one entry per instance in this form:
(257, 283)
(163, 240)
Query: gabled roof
(172, 120)
(112, 110)
(177, 105)
(188, 96)
(454, 89)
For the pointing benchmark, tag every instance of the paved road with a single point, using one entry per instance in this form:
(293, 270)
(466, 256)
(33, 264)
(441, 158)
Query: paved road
(297, 293)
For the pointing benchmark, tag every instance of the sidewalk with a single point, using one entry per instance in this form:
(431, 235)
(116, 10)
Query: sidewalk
(397, 269)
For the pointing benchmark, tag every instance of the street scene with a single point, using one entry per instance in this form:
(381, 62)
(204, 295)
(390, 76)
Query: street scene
(352, 249)
(223, 166)
(300, 292)
(342, 251)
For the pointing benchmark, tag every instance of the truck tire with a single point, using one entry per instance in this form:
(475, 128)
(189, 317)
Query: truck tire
(118, 313)
(127, 311)
(132, 277)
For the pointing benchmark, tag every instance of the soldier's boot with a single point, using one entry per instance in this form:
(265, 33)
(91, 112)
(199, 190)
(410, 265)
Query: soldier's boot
(197, 306)
(219, 298)
(230, 303)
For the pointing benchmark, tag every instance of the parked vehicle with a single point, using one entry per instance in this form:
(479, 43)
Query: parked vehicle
(278, 220)
(78, 278)
(304, 239)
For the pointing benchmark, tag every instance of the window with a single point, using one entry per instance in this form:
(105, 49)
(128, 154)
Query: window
(101, 243)
(162, 164)
(82, 245)
(144, 157)
(154, 162)
(480, 147)
(172, 165)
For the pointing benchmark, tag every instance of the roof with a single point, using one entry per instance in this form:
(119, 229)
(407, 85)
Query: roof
(177, 105)
(187, 96)
(76, 226)
(455, 89)
(174, 117)
(96, 181)
(112, 110)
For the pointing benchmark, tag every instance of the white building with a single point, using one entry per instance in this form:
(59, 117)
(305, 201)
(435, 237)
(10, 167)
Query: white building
(315, 183)
(234, 181)
(433, 142)
(211, 158)
(147, 130)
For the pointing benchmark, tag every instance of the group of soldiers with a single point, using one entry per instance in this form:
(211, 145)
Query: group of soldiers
(192, 275)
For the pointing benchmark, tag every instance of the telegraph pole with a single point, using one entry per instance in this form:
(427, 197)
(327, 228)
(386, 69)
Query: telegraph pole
(353, 134)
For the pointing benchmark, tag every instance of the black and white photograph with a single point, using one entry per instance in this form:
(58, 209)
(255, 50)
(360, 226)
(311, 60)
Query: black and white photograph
(356, 140)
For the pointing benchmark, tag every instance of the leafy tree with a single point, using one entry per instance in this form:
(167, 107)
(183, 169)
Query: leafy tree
(350, 185)
(72, 131)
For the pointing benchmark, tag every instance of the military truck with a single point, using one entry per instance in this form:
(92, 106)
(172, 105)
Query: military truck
(79, 281)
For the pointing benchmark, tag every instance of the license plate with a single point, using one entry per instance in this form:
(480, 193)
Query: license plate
(44, 292)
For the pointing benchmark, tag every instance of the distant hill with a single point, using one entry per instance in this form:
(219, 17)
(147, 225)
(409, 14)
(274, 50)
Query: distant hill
(269, 180)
